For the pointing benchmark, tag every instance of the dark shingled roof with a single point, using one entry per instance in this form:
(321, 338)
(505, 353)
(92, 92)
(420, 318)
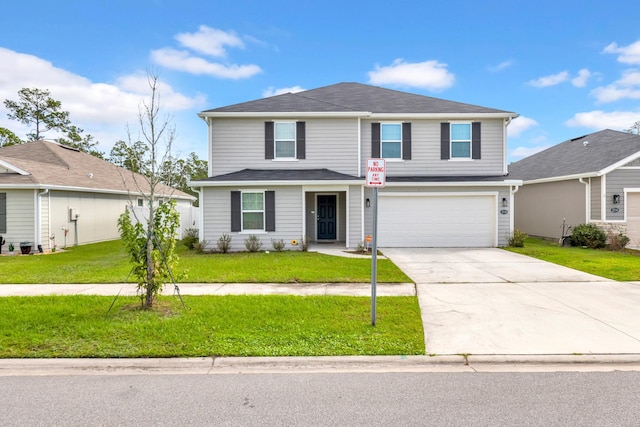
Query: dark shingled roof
(282, 175)
(353, 97)
(587, 154)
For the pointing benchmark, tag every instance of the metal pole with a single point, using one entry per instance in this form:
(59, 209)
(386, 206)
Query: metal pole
(374, 256)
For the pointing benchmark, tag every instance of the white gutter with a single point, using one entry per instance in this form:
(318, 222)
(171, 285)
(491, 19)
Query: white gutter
(562, 178)
(620, 163)
(508, 182)
(367, 114)
(90, 190)
(587, 198)
(277, 183)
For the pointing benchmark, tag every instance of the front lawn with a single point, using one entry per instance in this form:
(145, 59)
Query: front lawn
(247, 325)
(107, 262)
(622, 266)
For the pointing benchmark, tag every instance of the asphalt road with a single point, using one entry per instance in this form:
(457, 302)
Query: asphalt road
(324, 399)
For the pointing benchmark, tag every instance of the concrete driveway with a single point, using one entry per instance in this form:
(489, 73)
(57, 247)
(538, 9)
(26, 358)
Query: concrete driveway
(491, 301)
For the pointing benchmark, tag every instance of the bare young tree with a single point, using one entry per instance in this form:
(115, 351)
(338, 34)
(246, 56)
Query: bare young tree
(635, 128)
(152, 261)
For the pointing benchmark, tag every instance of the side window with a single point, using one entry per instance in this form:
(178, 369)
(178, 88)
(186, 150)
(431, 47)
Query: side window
(391, 140)
(285, 140)
(460, 140)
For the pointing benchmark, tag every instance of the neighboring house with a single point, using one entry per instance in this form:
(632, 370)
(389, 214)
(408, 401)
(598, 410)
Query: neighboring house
(293, 165)
(48, 189)
(591, 179)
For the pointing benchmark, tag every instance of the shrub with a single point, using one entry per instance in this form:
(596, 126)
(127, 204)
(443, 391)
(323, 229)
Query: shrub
(252, 243)
(304, 243)
(278, 245)
(517, 239)
(617, 242)
(190, 237)
(588, 235)
(200, 247)
(224, 243)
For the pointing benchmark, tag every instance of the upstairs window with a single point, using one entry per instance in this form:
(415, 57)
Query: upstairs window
(460, 140)
(285, 140)
(391, 140)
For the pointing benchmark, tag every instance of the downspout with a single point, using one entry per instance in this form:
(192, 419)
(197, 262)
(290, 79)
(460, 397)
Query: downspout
(505, 170)
(200, 212)
(38, 233)
(587, 198)
(513, 190)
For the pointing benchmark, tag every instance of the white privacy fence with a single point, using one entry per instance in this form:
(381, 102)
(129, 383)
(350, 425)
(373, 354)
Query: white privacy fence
(189, 216)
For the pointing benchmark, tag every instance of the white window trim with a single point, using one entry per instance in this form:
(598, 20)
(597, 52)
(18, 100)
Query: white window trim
(242, 212)
(275, 142)
(451, 141)
(392, 159)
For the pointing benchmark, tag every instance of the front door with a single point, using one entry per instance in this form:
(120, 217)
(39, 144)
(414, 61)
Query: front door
(327, 217)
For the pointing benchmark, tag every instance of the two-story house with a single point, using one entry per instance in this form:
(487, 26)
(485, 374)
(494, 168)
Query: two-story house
(293, 165)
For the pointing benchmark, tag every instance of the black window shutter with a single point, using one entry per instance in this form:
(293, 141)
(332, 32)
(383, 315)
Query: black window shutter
(445, 140)
(300, 140)
(270, 210)
(236, 211)
(375, 140)
(475, 140)
(406, 141)
(3, 212)
(268, 140)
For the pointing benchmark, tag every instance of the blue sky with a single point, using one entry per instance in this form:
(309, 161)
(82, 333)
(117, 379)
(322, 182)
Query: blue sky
(566, 67)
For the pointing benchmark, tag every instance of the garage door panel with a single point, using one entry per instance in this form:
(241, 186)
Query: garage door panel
(436, 221)
(633, 219)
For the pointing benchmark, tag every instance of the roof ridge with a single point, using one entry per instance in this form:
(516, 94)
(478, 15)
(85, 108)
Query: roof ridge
(48, 145)
(320, 100)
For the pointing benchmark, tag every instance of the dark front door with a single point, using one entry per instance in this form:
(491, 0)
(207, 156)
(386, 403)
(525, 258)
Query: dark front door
(326, 217)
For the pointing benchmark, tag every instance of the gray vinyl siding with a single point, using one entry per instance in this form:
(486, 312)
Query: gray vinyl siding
(237, 144)
(540, 208)
(425, 151)
(356, 233)
(45, 227)
(617, 181)
(20, 217)
(596, 185)
(216, 211)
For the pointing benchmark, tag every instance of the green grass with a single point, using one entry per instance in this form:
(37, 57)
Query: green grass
(622, 266)
(248, 325)
(107, 262)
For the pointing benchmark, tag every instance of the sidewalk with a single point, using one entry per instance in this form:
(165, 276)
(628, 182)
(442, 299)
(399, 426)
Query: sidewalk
(343, 289)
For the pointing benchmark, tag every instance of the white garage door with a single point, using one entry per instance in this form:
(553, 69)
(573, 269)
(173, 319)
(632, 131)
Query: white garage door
(633, 219)
(433, 220)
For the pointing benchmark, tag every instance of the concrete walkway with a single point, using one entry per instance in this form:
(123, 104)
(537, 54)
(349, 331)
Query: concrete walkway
(344, 289)
(491, 301)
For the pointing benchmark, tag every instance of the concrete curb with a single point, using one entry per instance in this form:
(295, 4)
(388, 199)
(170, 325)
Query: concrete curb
(320, 364)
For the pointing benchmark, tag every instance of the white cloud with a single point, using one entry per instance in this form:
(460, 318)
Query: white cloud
(522, 152)
(597, 119)
(552, 80)
(209, 41)
(627, 87)
(519, 125)
(271, 91)
(432, 75)
(627, 54)
(101, 109)
(581, 79)
(501, 66)
(184, 61)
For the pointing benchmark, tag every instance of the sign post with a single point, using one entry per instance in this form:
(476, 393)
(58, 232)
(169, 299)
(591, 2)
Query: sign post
(376, 178)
